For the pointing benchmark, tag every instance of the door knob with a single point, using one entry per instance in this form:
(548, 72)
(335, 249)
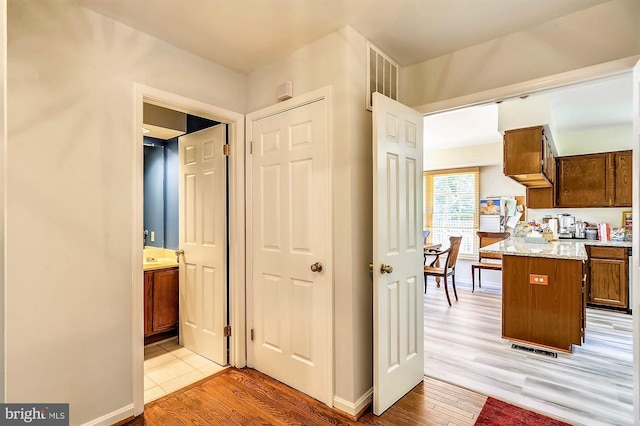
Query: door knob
(371, 267)
(178, 253)
(386, 269)
(316, 267)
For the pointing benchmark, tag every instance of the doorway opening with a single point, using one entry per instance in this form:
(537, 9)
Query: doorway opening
(463, 344)
(170, 362)
(165, 349)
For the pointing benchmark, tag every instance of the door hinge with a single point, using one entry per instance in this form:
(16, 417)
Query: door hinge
(226, 149)
(250, 147)
(227, 330)
(251, 334)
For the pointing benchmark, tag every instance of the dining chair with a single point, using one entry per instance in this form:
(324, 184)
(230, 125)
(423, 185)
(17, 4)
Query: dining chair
(448, 269)
(489, 261)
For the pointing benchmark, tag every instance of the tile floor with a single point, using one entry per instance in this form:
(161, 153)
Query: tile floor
(169, 367)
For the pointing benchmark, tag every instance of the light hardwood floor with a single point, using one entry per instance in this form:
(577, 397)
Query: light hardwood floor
(592, 386)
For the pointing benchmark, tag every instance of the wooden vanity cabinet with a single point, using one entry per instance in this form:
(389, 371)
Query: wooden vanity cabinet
(529, 157)
(607, 277)
(161, 292)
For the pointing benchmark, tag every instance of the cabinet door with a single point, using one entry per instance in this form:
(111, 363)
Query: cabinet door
(165, 299)
(523, 151)
(623, 176)
(540, 198)
(585, 181)
(148, 303)
(608, 282)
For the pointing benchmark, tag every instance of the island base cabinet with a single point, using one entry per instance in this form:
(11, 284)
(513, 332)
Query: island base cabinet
(543, 301)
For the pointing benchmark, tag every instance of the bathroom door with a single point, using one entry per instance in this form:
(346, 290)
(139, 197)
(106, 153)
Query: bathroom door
(203, 237)
(398, 349)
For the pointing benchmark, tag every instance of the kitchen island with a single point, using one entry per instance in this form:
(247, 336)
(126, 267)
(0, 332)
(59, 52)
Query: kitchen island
(543, 298)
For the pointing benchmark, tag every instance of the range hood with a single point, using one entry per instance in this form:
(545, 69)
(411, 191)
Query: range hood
(163, 123)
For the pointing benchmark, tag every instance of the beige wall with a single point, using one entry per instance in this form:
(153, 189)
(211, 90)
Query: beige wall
(69, 175)
(69, 204)
(599, 34)
(338, 60)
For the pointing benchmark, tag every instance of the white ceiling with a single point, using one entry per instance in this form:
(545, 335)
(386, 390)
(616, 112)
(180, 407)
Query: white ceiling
(245, 34)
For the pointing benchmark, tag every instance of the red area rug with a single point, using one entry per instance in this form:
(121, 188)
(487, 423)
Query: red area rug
(501, 413)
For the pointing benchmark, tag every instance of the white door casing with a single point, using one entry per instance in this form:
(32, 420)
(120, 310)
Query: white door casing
(635, 260)
(397, 242)
(289, 230)
(203, 266)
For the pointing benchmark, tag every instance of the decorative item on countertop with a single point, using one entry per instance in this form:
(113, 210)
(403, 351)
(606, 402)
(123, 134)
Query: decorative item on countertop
(604, 232)
(592, 233)
(535, 237)
(618, 234)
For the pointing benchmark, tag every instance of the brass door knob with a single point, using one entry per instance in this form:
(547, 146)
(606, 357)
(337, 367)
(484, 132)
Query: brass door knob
(178, 253)
(316, 267)
(386, 269)
(371, 267)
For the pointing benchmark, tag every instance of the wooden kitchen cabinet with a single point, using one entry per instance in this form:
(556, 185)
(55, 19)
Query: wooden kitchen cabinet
(623, 162)
(161, 306)
(529, 156)
(540, 198)
(607, 277)
(585, 180)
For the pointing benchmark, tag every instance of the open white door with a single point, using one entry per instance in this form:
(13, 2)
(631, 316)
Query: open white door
(635, 265)
(203, 265)
(291, 245)
(398, 348)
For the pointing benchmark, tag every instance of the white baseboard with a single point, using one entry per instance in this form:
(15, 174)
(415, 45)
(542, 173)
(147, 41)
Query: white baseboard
(353, 408)
(113, 417)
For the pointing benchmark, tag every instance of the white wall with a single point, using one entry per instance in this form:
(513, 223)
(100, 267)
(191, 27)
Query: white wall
(464, 156)
(339, 60)
(70, 196)
(599, 34)
(3, 144)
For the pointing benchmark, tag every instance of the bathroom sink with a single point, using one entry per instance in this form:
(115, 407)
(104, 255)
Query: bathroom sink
(158, 262)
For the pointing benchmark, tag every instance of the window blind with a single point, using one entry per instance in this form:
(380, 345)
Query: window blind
(451, 207)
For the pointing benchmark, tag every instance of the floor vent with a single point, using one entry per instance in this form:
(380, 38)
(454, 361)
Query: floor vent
(535, 351)
(382, 74)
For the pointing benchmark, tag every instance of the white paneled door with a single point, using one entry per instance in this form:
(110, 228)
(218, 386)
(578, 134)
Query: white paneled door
(203, 266)
(289, 233)
(398, 252)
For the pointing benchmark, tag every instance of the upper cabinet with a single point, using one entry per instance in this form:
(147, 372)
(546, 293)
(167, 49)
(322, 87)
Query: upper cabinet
(623, 165)
(585, 181)
(594, 180)
(529, 157)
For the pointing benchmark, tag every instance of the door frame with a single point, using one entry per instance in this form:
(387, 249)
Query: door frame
(236, 191)
(298, 101)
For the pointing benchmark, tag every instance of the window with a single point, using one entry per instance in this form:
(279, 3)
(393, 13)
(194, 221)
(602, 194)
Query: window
(451, 207)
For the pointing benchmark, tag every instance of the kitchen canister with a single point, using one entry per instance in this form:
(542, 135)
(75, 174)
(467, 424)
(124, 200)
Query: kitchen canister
(592, 233)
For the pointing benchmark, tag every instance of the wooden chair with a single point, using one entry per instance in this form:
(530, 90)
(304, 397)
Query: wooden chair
(449, 268)
(487, 260)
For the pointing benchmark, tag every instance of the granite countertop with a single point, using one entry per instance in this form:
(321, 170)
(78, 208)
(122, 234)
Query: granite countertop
(600, 243)
(562, 249)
